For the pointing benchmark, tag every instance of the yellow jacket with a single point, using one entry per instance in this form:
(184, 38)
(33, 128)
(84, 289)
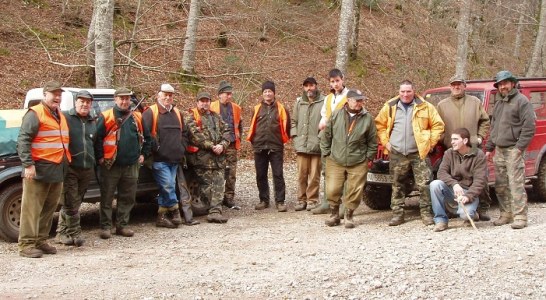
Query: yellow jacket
(426, 122)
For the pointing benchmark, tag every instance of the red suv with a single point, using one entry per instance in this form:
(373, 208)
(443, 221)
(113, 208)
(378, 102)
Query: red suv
(378, 186)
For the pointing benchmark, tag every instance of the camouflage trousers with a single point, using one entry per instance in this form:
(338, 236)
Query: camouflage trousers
(400, 166)
(510, 182)
(230, 173)
(75, 185)
(211, 187)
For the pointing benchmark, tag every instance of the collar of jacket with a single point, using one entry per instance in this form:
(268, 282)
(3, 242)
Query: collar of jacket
(73, 112)
(363, 111)
(511, 94)
(473, 152)
(318, 97)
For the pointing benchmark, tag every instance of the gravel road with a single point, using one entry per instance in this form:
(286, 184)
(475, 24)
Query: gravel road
(292, 255)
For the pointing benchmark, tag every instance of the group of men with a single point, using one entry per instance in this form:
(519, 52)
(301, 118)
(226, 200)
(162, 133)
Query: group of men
(334, 135)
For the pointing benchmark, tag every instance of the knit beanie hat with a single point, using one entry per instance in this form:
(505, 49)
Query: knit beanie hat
(268, 85)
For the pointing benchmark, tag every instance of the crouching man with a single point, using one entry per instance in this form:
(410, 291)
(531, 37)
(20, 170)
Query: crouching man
(461, 179)
(349, 141)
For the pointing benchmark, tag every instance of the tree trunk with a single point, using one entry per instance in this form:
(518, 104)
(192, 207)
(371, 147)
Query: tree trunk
(344, 34)
(519, 32)
(188, 57)
(90, 49)
(132, 47)
(536, 66)
(104, 49)
(463, 31)
(353, 52)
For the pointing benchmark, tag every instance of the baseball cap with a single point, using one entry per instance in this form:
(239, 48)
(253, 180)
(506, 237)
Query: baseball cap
(202, 95)
(457, 78)
(310, 80)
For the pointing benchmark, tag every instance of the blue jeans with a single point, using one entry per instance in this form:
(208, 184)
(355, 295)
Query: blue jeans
(165, 177)
(443, 199)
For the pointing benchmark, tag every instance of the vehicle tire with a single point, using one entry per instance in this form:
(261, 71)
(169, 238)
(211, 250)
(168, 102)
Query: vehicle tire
(10, 211)
(540, 186)
(377, 197)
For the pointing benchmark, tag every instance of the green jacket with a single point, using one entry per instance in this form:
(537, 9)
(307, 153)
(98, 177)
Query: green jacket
(212, 131)
(82, 133)
(349, 147)
(304, 123)
(513, 122)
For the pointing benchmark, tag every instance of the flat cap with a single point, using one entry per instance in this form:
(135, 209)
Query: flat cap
(167, 88)
(457, 78)
(52, 86)
(123, 92)
(203, 95)
(84, 94)
(224, 87)
(356, 94)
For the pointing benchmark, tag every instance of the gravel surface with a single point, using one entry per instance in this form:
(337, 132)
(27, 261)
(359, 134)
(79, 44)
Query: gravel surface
(293, 255)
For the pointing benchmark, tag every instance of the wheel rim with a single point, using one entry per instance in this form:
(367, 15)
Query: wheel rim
(13, 213)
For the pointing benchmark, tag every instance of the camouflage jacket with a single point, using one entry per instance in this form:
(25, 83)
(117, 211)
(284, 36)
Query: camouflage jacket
(204, 133)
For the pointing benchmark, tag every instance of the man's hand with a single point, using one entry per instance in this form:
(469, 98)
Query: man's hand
(388, 146)
(458, 190)
(321, 125)
(218, 149)
(488, 155)
(141, 159)
(30, 172)
(463, 199)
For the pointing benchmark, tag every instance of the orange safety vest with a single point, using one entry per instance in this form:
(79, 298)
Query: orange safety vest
(155, 113)
(110, 142)
(197, 117)
(329, 100)
(215, 107)
(51, 142)
(282, 120)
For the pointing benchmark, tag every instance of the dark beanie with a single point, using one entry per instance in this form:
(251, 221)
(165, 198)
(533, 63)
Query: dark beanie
(268, 85)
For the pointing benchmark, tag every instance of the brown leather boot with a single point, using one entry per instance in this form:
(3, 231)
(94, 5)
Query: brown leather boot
(503, 220)
(334, 219)
(396, 220)
(349, 222)
(177, 218)
(163, 221)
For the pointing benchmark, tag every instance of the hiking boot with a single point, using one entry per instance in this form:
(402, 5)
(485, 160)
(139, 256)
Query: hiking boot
(427, 219)
(176, 217)
(79, 240)
(163, 221)
(519, 224)
(396, 220)
(503, 220)
(302, 205)
(105, 234)
(192, 222)
(230, 204)
(321, 209)
(126, 232)
(349, 222)
(281, 207)
(441, 226)
(312, 205)
(47, 248)
(216, 217)
(484, 216)
(334, 217)
(261, 206)
(64, 239)
(31, 253)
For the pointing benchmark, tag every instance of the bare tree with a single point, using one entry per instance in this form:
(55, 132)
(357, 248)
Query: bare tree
(519, 31)
(353, 51)
(188, 57)
(536, 66)
(90, 49)
(104, 49)
(463, 31)
(344, 34)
